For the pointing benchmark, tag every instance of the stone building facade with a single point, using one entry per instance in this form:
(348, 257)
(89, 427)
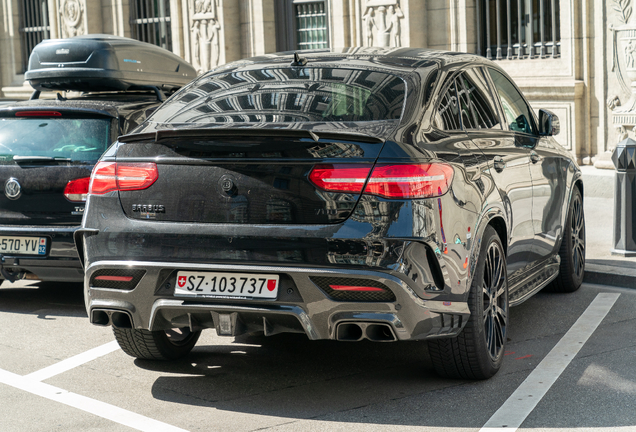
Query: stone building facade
(574, 57)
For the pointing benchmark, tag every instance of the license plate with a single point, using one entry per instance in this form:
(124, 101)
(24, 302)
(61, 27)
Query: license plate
(22, 245)
(226, 285)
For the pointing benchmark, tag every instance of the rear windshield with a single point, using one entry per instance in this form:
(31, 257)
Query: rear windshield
(288, 95)
(65, 139)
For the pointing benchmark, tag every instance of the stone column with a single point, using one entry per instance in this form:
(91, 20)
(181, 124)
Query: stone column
(257, 26)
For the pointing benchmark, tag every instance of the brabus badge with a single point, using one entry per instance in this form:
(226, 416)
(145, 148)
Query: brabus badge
(148, 211)
(12, 189)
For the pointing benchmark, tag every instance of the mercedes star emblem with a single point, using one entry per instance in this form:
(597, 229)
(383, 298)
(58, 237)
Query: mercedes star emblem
(12, 189)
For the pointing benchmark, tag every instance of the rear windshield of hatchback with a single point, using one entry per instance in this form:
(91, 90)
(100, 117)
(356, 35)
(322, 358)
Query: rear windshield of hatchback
(72, 140)
(288, 95)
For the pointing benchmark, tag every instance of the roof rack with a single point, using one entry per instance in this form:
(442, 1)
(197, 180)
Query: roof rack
(93, 63)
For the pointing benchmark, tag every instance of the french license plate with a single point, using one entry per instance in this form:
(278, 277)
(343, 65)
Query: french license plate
(22, 245)
(226, 285)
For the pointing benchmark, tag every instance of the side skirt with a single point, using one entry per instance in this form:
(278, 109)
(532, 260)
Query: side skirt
(538, 278)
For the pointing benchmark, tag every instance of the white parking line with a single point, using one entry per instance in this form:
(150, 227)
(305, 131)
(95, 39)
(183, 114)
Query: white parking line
(92, 406)
(73, 362)
(520, 404)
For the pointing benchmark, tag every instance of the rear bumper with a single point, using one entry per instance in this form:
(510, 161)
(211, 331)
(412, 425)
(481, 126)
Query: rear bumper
(302, 307)
(60, 263)
(403, 246)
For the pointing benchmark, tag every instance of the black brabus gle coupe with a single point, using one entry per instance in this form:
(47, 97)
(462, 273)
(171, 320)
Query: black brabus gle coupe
(348, 194)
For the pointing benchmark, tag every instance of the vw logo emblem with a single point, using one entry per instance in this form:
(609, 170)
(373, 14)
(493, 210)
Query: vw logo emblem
(12, 189)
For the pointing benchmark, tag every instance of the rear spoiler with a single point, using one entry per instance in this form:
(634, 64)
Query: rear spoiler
(251, 132)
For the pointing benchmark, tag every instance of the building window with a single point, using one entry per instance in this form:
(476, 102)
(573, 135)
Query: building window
(301, 24)
(519, 29)
(34, 26)
(150, 22)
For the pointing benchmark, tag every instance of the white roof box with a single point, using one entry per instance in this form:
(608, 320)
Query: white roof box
(105, 63)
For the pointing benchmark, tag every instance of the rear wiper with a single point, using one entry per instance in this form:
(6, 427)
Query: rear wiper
(36, 159)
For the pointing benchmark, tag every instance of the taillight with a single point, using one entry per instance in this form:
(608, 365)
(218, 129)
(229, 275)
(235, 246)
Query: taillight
(393, 181)
(38, 114)
(114, 176)
(76, 190)
(410, 181)
(340, 177)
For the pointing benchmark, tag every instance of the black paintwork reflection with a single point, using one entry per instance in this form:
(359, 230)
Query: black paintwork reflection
(288, 95)
(274, 190)
(549, 188)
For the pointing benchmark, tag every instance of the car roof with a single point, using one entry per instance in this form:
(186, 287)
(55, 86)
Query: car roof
(109, 104)
(396, 59)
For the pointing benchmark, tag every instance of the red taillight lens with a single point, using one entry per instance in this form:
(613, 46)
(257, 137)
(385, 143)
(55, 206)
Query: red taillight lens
(410, 181)
(112, 176)
(38, 114)
(340, 177)
(394, 181)
(76, 190)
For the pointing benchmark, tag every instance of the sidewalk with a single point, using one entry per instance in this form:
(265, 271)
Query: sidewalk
(601, 266)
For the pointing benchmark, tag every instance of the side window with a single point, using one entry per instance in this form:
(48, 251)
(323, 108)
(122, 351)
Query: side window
(518, 114)
(447, 113)
(477, 107)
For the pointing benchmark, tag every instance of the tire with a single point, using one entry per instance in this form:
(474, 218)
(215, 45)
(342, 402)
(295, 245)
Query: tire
(572, 250)
(156, 345)
(478, 351)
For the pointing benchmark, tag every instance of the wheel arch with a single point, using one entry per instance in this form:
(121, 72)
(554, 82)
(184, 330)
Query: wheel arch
(495, 217)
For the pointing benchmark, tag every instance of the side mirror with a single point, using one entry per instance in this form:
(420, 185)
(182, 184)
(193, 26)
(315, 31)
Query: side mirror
(549, 124)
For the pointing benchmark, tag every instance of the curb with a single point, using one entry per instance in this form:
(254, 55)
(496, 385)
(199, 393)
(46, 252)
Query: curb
(613, 276)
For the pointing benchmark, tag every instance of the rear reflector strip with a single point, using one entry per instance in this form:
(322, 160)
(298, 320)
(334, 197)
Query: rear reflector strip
(114, 278)
(38, 114)
(354, 288)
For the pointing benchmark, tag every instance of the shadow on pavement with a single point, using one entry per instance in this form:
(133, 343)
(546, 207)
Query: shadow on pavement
(43, 298)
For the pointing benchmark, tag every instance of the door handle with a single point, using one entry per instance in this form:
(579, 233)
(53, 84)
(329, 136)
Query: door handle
(499, 163)
(534, 157)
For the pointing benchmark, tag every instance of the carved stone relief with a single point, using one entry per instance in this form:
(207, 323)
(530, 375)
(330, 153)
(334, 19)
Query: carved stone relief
(381, 23)
(72, 18)
(205, 29)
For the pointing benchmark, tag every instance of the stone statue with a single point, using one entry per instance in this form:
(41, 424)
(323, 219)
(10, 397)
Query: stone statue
(382, 23)
(369, 25)
(206, 34)
(396, 15)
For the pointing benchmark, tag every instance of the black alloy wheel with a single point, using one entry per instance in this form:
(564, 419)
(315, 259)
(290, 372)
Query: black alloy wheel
(478, 351)
(495, 302)
(156, 345)
(572, 251)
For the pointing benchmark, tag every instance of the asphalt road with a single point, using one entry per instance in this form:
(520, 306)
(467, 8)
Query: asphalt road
(287, 383)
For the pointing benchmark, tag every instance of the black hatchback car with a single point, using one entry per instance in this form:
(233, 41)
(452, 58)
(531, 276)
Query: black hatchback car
(48, 147)
(347, 194)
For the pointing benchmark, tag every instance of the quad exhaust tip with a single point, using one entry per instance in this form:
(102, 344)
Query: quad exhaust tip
(356, 331)
(105, 317)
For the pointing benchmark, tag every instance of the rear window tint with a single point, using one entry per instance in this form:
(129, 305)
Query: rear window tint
(288, 95)
(74, 139)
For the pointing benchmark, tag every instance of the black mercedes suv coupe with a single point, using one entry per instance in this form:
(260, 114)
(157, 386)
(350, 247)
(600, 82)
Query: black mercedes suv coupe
(351, 194)
(48, 147)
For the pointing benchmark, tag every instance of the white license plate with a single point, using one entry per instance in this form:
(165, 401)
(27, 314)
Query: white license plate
(226, 285)
(22, 245)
